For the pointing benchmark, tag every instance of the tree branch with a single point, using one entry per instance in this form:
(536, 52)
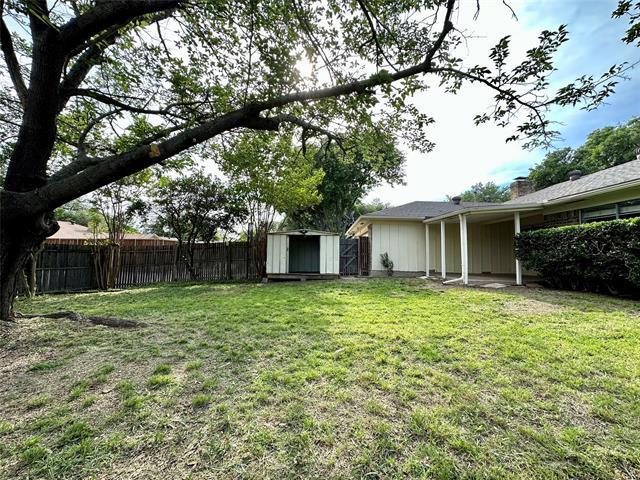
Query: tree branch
(107, 13)
(12, 62)
(497, 88)
(82, 66)
(307, 126)
(118, 166)
(91, 53)
(108, 100)
(374, 34)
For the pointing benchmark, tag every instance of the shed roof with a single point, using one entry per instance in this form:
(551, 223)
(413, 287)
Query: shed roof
(302, 231)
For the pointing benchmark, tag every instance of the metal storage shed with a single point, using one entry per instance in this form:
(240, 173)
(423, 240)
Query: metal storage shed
(303, 255)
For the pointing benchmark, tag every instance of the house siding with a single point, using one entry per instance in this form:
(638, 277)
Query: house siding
(490, 247)
(403, 241)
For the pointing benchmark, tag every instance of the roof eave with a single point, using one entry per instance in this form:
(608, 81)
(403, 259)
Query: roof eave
(597, 191)
(480, 210)
(354, 226)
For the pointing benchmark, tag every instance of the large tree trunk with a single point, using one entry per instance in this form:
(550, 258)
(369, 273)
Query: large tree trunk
(19, 237)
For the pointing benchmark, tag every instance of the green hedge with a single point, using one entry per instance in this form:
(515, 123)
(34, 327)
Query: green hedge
(597, 257)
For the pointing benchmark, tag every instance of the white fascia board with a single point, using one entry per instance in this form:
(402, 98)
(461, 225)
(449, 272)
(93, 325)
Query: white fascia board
(475, 210)
(354, 228)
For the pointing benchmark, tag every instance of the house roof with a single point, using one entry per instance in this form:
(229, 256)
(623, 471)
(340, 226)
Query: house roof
(422, 210)
(614, 178)
(415, 211)
(619, 175)
(75, 231)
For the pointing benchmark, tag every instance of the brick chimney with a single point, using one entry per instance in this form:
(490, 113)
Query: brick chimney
(521, 186)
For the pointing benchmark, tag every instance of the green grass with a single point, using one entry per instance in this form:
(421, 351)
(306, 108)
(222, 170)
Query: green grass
(378, 379)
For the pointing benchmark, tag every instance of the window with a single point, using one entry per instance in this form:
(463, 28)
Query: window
(629, 209)
(612, 211)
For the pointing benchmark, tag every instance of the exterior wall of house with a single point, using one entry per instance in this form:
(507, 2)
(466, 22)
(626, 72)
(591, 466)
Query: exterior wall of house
(490, 248)
(403, 241)
(569, 213)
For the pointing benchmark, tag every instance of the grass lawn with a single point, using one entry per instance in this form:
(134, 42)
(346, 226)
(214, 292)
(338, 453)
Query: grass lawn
(347, 379)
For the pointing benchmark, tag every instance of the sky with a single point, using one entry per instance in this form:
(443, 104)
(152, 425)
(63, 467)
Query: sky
(466, 154)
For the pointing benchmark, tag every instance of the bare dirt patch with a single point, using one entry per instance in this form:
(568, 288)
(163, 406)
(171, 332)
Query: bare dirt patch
(530, 306)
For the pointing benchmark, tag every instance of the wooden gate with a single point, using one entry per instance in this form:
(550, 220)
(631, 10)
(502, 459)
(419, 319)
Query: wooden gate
(364, 255)
(349, 256)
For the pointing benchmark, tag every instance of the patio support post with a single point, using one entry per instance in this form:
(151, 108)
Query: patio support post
(464, 250)
(427, 266)
(516, 223)
(443, 250)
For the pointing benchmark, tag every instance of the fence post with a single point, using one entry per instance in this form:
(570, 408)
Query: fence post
(247, 247)
(174, 269)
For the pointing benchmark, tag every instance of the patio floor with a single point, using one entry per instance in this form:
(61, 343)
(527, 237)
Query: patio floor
(486, 279)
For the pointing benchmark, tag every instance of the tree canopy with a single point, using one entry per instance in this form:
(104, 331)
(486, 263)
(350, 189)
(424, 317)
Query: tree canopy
(486, 192)
(351, 169)
(102, 89)
(195, 208)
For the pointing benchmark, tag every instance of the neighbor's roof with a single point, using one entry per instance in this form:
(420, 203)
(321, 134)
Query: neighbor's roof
(422, 210)
(74, 231)
(618, 176)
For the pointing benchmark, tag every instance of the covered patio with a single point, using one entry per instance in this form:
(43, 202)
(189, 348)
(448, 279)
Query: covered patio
(476, 245)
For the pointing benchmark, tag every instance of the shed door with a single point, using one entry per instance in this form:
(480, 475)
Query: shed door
(304, 254)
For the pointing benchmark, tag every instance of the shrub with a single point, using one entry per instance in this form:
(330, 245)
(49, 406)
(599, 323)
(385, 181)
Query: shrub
(387, 263)
(597, 257)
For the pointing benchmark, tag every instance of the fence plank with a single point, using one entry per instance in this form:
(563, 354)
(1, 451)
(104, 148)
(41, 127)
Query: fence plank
(70, 267)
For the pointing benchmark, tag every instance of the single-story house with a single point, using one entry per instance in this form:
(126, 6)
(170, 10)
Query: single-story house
(74, 234)
(454, 239)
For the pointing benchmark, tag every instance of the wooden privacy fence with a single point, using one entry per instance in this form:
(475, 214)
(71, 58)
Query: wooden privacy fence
(69, 268)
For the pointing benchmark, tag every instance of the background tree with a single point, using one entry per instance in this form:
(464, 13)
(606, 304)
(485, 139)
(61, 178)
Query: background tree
(604, 148)
(486, 192)
(351, 169)
(76, 211)
(117, 204)
(195, 208)
(176, 74)
(554, 168)
(364, 207)
(274, 178)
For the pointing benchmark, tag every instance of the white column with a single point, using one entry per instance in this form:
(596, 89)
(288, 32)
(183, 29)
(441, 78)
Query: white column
(443, 250)
(464, 251)
(427, 265)
(516, 223)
